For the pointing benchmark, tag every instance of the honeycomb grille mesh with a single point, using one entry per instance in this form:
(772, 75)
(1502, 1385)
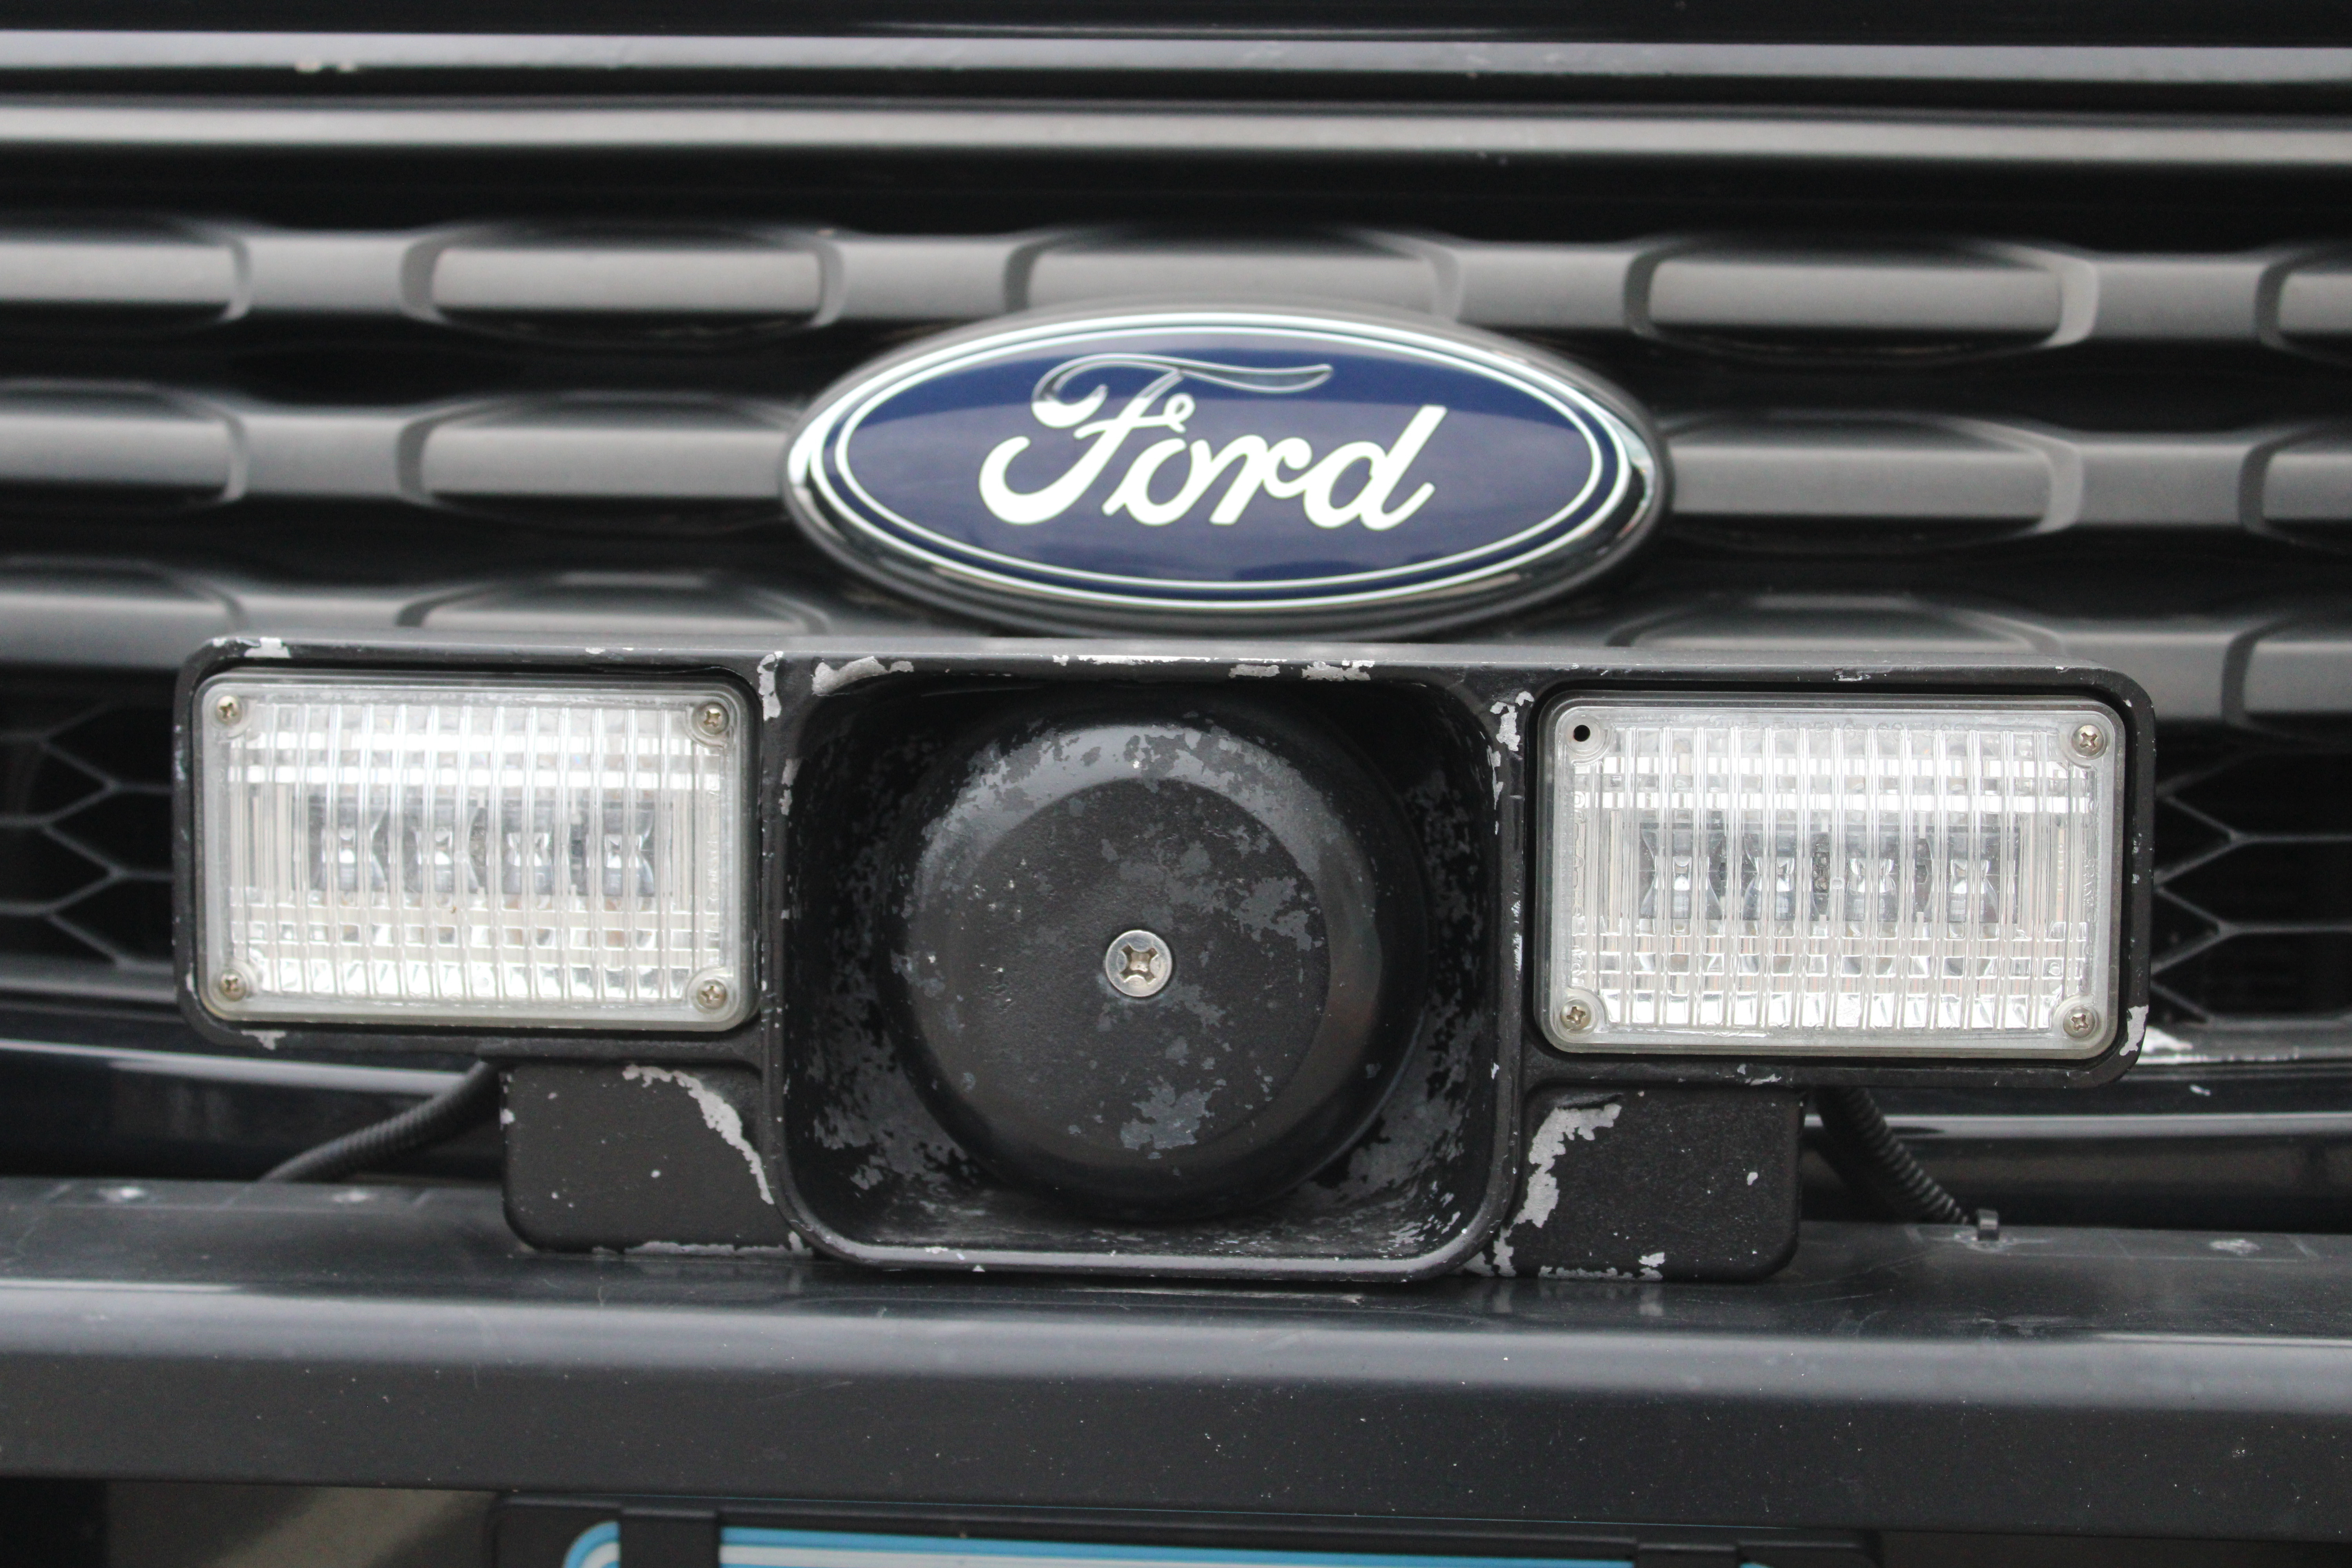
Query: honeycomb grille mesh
(2253, 880)
(85, 831)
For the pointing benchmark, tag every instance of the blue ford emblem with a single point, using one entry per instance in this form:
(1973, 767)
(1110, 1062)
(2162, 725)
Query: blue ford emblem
(1213, 469)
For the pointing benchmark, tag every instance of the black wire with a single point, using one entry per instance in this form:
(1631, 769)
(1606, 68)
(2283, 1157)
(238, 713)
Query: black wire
(1869, 1158)
(466, 1103)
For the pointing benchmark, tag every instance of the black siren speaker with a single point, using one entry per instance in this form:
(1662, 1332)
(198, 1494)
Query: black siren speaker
(1154, 958)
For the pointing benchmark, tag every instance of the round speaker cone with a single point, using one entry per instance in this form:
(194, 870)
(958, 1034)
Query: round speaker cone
(1155, 958)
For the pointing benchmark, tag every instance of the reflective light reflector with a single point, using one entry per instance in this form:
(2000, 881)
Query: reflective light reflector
(468, 850)
(1873, 876)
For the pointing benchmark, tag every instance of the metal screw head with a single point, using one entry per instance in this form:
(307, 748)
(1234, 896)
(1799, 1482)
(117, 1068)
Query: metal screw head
(1576, 1017)
(711, 719)
(712, 996)
(228, 708)
(232, 986)
(1138, 964)
(2089, 741)
(2079, 1022)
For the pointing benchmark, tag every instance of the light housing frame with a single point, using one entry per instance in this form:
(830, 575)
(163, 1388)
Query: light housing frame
(455, 1033)
(1554, 904)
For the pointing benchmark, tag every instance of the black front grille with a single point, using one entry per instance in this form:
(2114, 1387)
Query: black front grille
(85, 835)
(2253, 883)
(2016, 404)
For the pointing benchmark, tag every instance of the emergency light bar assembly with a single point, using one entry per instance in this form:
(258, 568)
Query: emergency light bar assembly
(1264, 959)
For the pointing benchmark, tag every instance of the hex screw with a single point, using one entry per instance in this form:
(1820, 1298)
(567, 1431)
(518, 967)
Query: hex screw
(1576, 1017)
(2081, 1022)
(712, 996)
(711, 721)
(232, 986)
(229, 708)
(2089, 741)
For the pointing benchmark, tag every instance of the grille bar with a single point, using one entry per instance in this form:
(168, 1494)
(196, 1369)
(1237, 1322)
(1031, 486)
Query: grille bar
(2072, 144)
(112, 447)
(970, 54)
(672, 280)
(2275, 656)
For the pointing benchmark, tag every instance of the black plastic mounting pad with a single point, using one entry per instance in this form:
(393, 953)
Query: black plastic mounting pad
(1654, 1182)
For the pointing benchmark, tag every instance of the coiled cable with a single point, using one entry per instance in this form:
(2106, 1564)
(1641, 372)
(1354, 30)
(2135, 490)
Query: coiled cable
(1869, 1159)
(466, 1103)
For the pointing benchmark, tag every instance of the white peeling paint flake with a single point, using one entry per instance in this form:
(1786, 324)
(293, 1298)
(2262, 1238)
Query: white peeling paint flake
(267, 648)
(1652, 1264)
(1253, 671)
(828, 679)
(1346, 670)
(1560, 1126)
(1506, 720)
(771, 705)
(268, 1039)
(717, 1115)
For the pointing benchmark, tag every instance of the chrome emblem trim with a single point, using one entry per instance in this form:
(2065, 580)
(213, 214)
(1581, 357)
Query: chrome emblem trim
(1193, 468)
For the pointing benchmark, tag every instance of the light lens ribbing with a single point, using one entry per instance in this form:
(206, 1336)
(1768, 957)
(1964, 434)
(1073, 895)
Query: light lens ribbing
(1848, 876)
(472, 851)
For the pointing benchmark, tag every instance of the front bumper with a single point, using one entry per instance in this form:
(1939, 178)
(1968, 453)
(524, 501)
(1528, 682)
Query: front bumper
(2097, 1382)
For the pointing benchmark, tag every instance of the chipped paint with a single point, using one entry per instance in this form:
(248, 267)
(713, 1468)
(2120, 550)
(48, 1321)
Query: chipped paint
(793, 1247)
(1618, 1274)
(784, 777)
(1506, 720)
(1346, 670)
(1653, 1265)
(1253, 671)
(828, 679)
(717, 1115)
(771, 705)
(1562, 1125)
(268, 1039)
(269, 648)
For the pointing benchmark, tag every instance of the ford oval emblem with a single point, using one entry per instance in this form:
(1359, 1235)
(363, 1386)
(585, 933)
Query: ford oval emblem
(1218, 469)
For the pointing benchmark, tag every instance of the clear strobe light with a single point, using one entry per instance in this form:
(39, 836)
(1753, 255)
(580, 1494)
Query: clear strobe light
(1868, 877)
(468, 850)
